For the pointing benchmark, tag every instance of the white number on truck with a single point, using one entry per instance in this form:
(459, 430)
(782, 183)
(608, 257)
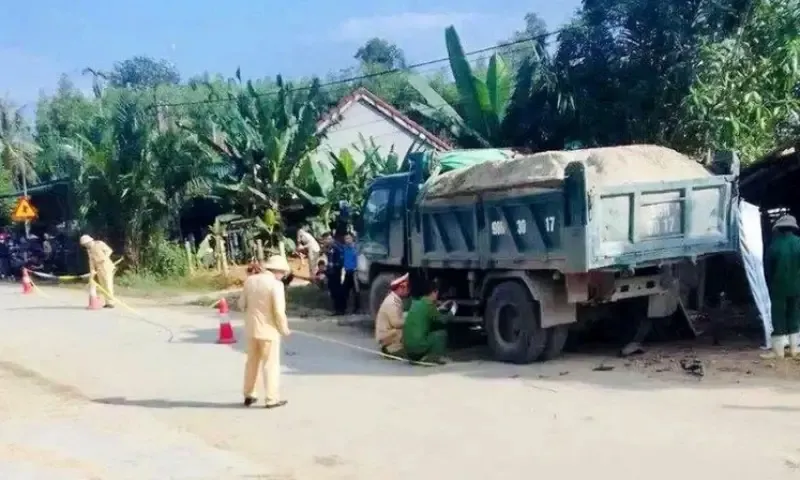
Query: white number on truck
(662, 226)
(522, 227)
(498, 228)
(549, 224)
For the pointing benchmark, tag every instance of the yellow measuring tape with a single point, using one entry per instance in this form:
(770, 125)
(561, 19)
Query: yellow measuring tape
(143, 318)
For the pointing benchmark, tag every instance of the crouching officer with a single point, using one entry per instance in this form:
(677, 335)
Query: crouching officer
(101, 267)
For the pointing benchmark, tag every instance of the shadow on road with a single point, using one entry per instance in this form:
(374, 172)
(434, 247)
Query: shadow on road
(665, 364)
(766, 408)
(161, 403)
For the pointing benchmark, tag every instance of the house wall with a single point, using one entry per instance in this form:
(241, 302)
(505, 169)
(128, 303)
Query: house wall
(362, 118)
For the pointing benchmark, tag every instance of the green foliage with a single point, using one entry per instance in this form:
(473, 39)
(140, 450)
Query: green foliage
(694, 75)
(746, 97)
(6, 186)
(17, 147)
(629, 64)
(380, 52)
(263, 141)
(477, 117)
(163, 259)
(140, 72)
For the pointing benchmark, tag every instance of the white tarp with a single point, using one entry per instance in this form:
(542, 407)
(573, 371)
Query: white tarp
(751, 246)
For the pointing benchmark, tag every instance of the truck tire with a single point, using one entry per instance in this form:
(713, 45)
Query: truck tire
(556, 339)
(512, 326)
(380, 287)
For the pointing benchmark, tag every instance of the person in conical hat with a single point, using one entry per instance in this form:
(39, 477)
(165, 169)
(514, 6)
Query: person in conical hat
(101, 267)
(782, 269)
(389, 320)
(263, 301)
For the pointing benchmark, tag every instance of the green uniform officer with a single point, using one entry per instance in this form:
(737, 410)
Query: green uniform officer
(782, 269)
(424, 334)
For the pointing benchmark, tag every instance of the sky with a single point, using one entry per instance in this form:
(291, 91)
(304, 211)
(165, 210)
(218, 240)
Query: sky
(41, 39)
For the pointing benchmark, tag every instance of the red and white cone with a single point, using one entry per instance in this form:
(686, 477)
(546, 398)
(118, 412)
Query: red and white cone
(27, 284)
(225, 336)
(94, 300)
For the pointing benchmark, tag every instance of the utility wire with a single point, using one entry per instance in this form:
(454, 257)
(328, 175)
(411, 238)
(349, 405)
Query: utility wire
(435, 106)
(368, 76)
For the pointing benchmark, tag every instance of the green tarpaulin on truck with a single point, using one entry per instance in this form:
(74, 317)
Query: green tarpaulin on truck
(456, 159)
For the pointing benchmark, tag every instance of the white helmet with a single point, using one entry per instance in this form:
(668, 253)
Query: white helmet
(786, 221)
(86, 240)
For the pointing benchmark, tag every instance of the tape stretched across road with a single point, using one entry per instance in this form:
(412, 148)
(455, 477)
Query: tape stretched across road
(143, 318)
(65, 278)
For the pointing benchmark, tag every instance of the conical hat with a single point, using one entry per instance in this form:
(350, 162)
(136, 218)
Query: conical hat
(786, 221)
(277, 263)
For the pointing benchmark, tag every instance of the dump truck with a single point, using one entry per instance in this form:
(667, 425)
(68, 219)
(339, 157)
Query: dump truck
(530, 245)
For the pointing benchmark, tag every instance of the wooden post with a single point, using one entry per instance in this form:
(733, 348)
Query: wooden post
(223, 256)
(218, 253)
(260, 250)
(189, 256)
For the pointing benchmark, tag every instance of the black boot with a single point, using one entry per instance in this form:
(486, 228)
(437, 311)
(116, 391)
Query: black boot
(249, 401)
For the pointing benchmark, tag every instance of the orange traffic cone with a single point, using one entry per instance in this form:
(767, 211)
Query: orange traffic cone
(27, 285)
(94, 300)
(225, 336)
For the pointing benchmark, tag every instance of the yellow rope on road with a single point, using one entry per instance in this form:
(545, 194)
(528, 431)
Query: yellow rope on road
(144, 319)
(127, 307)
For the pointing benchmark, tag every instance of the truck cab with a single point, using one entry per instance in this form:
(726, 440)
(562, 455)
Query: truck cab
(384, 226)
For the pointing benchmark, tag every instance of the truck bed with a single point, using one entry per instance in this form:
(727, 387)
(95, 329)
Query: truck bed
(570, 229)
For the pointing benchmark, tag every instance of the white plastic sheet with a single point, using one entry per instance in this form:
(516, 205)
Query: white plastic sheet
(751, 245)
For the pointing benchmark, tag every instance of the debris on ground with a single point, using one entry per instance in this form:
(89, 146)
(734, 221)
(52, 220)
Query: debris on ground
(693, 366)
(603, 368)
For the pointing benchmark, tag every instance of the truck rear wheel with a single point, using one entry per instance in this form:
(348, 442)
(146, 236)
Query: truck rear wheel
(380, 287)
(512, 324)
(556, 339)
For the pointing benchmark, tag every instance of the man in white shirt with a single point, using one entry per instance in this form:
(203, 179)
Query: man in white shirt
(308, 246)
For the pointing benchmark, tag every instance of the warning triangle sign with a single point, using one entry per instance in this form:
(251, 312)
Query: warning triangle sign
(24, 211)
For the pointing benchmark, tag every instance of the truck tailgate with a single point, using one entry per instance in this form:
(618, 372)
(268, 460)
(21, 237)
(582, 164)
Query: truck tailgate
(641, 223)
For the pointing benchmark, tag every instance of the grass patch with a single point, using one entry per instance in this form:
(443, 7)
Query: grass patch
(303, 300)
(308, 296)
(148, 285)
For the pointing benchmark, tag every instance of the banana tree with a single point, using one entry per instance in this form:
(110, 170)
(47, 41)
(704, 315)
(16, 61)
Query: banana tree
(483, 102)
(378, 162)
(346, 175)
(264, 141)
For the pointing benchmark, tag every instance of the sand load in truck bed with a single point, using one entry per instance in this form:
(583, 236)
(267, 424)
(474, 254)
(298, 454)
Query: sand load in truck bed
(604, 166)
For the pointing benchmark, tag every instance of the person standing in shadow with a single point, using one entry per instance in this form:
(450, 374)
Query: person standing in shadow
(333, 273)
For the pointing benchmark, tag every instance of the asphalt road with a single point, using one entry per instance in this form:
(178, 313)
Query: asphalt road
(111, 395)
